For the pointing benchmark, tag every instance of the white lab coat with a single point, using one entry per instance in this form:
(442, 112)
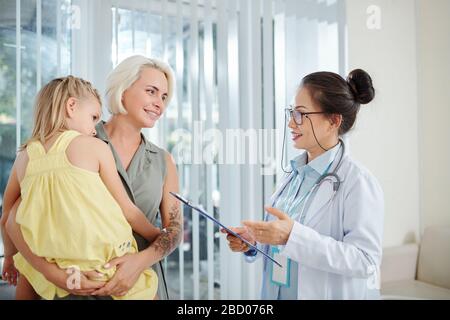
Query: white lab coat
(338, 248)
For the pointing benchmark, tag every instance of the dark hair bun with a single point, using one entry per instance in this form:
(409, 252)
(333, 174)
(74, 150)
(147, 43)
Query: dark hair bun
(360, 83)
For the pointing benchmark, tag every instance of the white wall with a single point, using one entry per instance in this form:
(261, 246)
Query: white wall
(434, 110)
(385, 138)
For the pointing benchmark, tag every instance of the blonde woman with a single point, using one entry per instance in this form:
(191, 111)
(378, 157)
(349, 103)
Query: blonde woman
(74, 209)
(138, 91)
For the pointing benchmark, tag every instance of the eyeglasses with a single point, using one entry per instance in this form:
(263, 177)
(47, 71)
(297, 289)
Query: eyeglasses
(297, 115)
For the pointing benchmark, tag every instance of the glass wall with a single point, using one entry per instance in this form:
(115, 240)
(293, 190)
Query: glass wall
(236, 65)
(35, 46)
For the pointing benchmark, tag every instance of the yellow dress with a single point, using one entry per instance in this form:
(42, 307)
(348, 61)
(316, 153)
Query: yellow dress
(68, 216)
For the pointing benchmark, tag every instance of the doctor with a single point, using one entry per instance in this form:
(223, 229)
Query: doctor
(325, 225)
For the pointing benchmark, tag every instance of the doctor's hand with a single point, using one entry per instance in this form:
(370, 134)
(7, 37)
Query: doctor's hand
(236, 244)
(274, 232)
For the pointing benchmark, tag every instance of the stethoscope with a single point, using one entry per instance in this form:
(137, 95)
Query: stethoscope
(332, 177)
(333, 174)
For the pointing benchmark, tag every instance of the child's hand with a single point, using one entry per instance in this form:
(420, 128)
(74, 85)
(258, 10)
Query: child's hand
(9, 272)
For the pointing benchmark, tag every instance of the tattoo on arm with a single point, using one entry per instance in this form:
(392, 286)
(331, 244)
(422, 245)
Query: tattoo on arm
(169, 240)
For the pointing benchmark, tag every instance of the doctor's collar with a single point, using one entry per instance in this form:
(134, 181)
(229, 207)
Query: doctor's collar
(298, 162)
(319, 164)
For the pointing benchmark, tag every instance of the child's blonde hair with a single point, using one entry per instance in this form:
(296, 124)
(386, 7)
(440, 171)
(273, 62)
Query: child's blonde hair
(49, 107)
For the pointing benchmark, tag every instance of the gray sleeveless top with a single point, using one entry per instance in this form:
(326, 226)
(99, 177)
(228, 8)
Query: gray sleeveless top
(143, 182)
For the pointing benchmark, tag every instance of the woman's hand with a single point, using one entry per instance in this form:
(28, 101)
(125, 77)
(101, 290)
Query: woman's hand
(236, 244)
(129, 268)
(275, 232)
(9, 271)
(72, 280)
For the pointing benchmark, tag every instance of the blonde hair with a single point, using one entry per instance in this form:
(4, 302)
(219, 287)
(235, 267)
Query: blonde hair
(49, 107)
(128, 72)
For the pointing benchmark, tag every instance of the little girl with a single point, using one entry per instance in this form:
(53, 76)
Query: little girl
(74, 208)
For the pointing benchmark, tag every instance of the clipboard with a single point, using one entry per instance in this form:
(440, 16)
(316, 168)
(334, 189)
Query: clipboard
(208, 216)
